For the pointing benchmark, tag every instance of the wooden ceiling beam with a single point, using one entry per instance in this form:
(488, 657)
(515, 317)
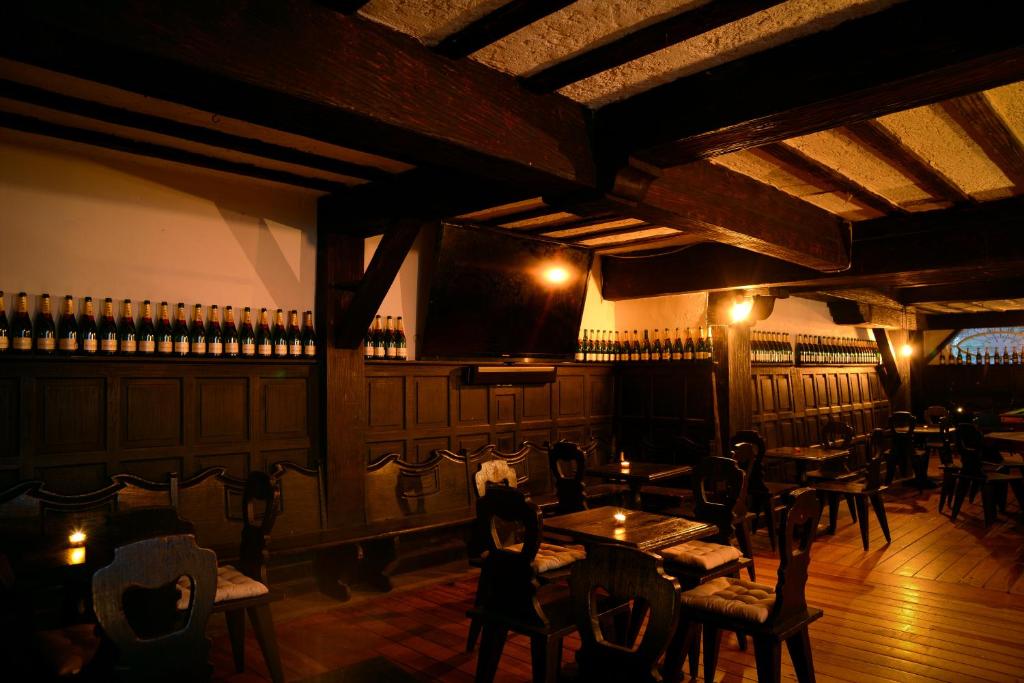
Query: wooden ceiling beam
(344, 6)
(879, 141)
(950, 321)
(331, 77)
(497, 24)
(644, 41)
(857, 314)
(987, 129)
(820, 175)
(913, 53)
(989, 290)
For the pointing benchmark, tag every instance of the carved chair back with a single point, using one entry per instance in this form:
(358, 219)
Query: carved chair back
(799, 525)
(933, 415)
(836, 434)
(752, 461)
(720, 492)
(568, 464)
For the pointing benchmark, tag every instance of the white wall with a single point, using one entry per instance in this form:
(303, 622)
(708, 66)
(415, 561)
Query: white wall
(401, 299)
(805, 316)
(87, 222)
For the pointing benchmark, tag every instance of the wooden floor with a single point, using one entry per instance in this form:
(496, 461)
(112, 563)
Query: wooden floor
(942, 602)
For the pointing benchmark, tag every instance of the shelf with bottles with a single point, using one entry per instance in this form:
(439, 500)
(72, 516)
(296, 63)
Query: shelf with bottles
(821, 350)
(386, 342)
(770, 348)
(83, 337)
(606, 346)
(1010, 357)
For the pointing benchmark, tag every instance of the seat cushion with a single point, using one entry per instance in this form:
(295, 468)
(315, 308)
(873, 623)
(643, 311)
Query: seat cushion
(550, 556)
(231, 585)
(733, 598)
(701, 554)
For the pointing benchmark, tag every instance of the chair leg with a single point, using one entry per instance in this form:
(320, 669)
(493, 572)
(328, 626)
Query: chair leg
(833, 511)
(694, 654)
(235, 619)
(988, 502)
(768, 653)
(1018, 492)
(712, 641)
(773, 524)
(862, 511)
(948, 484)
(546, 658)
(962, 484)
(687, 636)
(879, 505)
(474, 634)
(974, 491)
(263, 626)
(492, 642)
(1002, 492)
(852, 505)
(741, 641)
(799, 646)
(746, 546)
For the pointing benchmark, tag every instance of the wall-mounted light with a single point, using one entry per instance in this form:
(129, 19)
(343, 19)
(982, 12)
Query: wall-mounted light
(741, 308)
(906, 350)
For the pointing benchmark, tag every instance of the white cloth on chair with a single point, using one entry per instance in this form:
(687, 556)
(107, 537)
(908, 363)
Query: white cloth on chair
(494, 472)
(231, 585)
(702, 554)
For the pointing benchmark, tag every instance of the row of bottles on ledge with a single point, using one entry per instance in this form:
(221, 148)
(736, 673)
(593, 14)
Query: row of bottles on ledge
(109, 336)
(813, 350)
(771, 348)
(600, 346)
(387, 342)
(981, 356)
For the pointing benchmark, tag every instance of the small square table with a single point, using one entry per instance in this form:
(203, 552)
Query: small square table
(638, 474)
(803, 456)
(644, 530)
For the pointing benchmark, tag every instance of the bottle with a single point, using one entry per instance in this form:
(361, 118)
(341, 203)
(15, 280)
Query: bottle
(656, 346)
(21, 326)
(197, 333)
(309, 336)
(108, 329)
(389, 339)
(88, 333)
(280, 334)
(5, 329)
(67, 337)
(247, 337)
(126, 334)
(617, 348)
(147, 333)
(942, 356)
(1006, 356)
(689, 349)
(369, 344)
(179, 333)
(645, 348)
(581, 347)
(401, 343)
(378, 340)
(214, 335)
(45, 332)
(709, 346)
(264, 339)
(959, 359)
(987, 357)
(700, 348)
(635, 354)
(230, 333)
(996, 358)
(294, 335)
(1015, 358)
(677, 347)
(164, 335)
(666, 346)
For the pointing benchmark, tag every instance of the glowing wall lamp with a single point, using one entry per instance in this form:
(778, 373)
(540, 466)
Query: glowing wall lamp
(741, 308)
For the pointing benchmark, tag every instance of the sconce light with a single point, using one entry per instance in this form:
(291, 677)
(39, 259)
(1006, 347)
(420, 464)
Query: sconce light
(906, 350)
(741, 308)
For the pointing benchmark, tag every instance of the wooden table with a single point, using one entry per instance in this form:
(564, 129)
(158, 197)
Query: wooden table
(803, 456)
(638, 474)
(1007, 441)
(643, 530)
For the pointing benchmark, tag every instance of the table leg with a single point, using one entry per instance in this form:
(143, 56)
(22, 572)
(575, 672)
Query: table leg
(634, 490)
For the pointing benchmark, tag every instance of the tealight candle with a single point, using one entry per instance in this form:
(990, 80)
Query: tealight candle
(620, 517)
(624, 464)
(77, 556)
(77, 537)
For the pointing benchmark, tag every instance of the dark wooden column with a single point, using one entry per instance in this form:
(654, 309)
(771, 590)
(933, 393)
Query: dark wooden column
(733, 376)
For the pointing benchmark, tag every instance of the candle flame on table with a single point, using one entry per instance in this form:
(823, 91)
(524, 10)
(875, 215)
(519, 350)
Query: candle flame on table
(77, 556)
(77, 537)
(620, 517)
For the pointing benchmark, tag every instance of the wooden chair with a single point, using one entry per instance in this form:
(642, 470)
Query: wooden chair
(835, 434)
(948, 465)
(902, 448)
(870, 489)
(154, 563)
(765, 496)
(568, 465)
(974, 475)
(510, 596)
(933, 415)
(136, 492)
(771, 616)
(625, 574)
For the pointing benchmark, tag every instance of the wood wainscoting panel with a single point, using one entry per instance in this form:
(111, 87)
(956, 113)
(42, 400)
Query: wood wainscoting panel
(424, 448)
(602, 396)
(431, 401)
(570, 396)
(375, 450)
(72, 414)
(72, 479)
(472, 442)
(158, 469)
(284, 407)
(236, 464)
(537, 403)
(385, 398)
(10, 388)
(222, 409)
(151, 412)
(472, 405)
(506, 405)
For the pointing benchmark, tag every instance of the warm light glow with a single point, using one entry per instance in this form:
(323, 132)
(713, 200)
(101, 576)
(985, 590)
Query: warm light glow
(959, 409)
(741, 309)
(624, 464)
(556, 275)
(906, 350)
(77, 537)
(620, 517)
(77, 556)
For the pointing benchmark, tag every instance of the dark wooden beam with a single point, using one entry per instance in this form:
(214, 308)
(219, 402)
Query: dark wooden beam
(949, 321)
(715, 203)
(644, 41)
(815, 173)
(335, 78)
(877, 140)
(975, 115)
(913, 53)
(856, 314)
(986, 290)
(35, 126)
(376, 281)
(929, 225)
(889, 369)
(344, 6)
(186, 131)
(495, 25)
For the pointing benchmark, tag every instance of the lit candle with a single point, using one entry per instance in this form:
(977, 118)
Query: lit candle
(77, 556)
(620, 518)
(77, 537)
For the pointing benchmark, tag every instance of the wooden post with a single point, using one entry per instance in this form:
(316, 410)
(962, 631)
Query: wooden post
(732, 356)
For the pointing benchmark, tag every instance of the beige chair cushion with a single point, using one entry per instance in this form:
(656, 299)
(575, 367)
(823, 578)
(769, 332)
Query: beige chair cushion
(551, 556)
(231, 585)
(700, 554)
(733, 598)
(494, 472)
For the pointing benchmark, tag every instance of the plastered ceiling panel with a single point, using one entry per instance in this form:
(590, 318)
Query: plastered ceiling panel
(853, 161)
(428, 20)
(931, 133)
(765, 172)
(1008, 102)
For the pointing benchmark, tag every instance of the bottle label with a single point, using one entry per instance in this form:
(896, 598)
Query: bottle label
(231, 348)
(147, 346)
(216, 348)
(579, 356)
(45, 344)
(165, 346)
(389, 352)
(402, 355)
(280, 349)
(295, 349)
(265, 349)
(108, 345)
(23, 343)
(676, 355)
(89, 344)
(68, 344)
(129, 345)
(5, 343)
(309, 349)
(199, 347)
(249, 349)
(181, 347)
(378, 352)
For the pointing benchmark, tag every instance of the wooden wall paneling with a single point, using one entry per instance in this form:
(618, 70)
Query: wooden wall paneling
(72, 479)
(284, 407)
(472, 442)
(158, 469)
(536, 403)
(222, 407)
(602, 396)
(386, 402)
(151, 412)
(424, 448)
(398, 490)
(472, 405)
(375, 450)
(505, 441)
(571, 395)
(506, 404)
(431, 399)
(10, 390)
(72, 415)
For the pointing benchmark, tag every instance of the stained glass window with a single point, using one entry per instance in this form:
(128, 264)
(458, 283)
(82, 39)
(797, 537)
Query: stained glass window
(989, 339)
